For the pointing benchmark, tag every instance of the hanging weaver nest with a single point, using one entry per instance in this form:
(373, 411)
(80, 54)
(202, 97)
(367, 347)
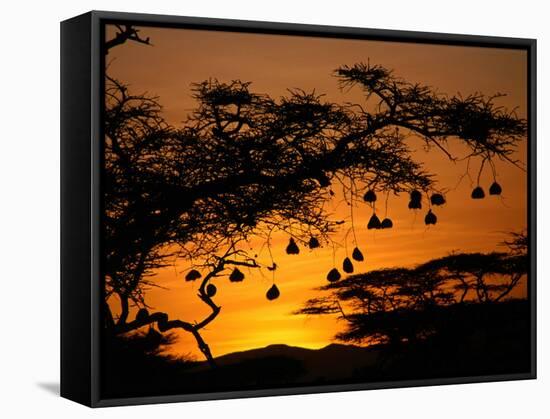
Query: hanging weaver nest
(357, 255)
(478, 193)
(437, 199)
(314, 243)
(347, 266)
(211, 290)
(386, 223)
(430, 218)
(292, 248)
(236, 275)
(495, 189)
(374, 222)
(370, 196)
(192, 275)
(273, 293)
(333, 275)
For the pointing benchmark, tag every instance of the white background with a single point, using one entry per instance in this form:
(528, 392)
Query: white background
(29, 207)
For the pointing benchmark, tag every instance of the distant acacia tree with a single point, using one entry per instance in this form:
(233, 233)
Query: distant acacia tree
(396, 304)
(244, 165)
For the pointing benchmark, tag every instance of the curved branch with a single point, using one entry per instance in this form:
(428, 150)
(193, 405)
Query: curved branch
(163, 322)
(125, 33)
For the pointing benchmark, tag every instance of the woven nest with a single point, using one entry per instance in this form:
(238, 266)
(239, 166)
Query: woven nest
(374, 222)
(357, 255)
(386, 223)
(478, 193)
(273, 293)
(211, 290)
(192, 275)
(437, 199)
(236, 275)
(430, 218)
(415, 200)
(333, 275)
(370, 196)
(347, 266)
(495, 189)
(292, 248)
(314, 243)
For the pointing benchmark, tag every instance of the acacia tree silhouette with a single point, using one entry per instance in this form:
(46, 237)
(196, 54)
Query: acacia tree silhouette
(244, 164)
(407, 304)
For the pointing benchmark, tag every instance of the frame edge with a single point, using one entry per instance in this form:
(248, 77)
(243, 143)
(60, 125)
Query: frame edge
(96, 20)
(76, 304)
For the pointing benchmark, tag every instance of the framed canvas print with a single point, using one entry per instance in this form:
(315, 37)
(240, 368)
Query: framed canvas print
(254, 209)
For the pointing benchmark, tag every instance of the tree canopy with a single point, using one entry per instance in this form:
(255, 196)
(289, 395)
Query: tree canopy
(407, 303)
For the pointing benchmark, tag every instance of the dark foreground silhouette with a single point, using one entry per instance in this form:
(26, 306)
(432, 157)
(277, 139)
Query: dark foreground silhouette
(478, 339)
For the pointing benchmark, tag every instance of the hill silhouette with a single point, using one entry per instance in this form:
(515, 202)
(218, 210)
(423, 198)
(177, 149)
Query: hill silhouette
(481, 339)
(330, 363)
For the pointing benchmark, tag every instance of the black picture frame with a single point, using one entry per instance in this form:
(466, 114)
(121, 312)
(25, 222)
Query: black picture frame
(82, 61)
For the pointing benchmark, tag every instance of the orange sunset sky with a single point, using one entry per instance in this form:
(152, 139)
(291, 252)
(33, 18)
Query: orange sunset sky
(274, 63)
